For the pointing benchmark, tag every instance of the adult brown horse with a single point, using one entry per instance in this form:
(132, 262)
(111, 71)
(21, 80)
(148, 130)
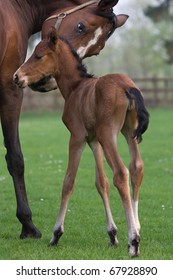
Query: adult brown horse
(18, 20)
(95, 111)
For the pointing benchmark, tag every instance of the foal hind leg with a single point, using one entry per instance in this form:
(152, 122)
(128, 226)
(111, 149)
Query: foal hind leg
(121, 181)
(136, 174)
(75, 151)
(102, 185)
(9, 119)
(136, 164)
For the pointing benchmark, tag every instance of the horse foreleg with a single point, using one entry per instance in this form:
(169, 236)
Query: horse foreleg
(102, 185)
(15, 163)
(75, 151)
(121, 181)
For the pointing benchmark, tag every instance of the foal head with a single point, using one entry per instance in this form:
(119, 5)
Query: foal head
(44, 62)
(86, 29)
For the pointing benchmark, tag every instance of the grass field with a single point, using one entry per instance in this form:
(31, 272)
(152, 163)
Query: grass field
(44, 141)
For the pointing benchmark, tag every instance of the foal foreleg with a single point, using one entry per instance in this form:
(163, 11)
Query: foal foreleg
(102, 185)
(75, 151)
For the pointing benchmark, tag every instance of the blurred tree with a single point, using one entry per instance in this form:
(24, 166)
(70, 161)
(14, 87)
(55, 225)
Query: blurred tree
(163, 13)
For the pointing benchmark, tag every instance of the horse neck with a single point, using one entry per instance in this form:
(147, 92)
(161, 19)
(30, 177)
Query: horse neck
(68, 76)
(32, 13)
(44, 8)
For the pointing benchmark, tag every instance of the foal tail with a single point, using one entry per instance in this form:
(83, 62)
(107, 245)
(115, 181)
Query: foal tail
(142, 113)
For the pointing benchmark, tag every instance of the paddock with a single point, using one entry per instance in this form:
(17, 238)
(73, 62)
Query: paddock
(46, 157)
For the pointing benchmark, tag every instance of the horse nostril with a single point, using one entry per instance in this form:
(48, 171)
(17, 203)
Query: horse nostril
(16, 78)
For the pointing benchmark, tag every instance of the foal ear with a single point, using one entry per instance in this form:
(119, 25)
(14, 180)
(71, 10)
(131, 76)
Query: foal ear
(52, 37)
(107, 4)
(120, 20)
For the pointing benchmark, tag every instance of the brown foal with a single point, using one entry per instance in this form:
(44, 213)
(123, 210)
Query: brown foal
(95, 111)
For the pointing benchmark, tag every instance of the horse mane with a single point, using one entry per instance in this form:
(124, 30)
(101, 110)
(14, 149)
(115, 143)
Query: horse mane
(80, 66)
(110, 16)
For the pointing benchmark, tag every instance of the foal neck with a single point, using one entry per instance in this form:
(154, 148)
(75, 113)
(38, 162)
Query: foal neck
(71, 72)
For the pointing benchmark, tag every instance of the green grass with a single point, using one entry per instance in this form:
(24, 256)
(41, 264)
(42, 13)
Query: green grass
(44, 141)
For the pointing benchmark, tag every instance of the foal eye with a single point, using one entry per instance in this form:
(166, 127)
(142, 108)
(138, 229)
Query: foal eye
(81, 27)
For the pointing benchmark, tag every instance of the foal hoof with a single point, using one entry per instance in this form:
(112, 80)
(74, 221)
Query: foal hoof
(114, 242)
(30, 232)
(53, 241)
(56, 236)
(133, 248)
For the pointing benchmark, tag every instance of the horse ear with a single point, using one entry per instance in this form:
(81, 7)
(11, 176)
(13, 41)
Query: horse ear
(107, 4)
(120, 20)
(52, 37)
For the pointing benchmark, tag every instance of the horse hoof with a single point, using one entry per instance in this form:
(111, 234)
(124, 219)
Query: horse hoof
(28, 232)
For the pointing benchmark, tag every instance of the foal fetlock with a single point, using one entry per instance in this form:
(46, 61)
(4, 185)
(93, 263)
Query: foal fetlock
(133, 246)
(113, 237)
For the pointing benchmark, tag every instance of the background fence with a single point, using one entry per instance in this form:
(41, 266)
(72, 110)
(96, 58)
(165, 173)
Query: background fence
(158, 92)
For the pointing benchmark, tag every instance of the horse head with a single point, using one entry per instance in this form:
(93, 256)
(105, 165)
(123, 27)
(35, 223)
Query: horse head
(87, 27)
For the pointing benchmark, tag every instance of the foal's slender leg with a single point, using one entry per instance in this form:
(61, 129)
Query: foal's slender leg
(136, 174)
(75, 151)
(102, 185)
(9, 119)
(121, 181)
(135, 168)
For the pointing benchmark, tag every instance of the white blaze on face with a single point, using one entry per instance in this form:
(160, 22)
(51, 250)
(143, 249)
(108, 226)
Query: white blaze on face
(83, 50)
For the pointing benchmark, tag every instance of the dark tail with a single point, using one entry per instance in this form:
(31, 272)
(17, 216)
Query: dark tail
(142, 113)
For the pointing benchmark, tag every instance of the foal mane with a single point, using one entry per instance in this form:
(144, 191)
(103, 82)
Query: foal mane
(80, 66)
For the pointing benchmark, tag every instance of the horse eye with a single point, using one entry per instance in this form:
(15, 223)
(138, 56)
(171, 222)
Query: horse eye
(37, 56)
(80, 27)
